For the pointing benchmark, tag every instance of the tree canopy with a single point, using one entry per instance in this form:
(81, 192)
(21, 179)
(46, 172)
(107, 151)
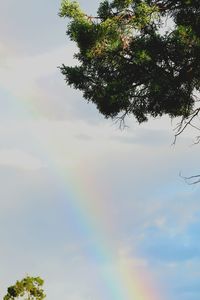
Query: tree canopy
(30, 288)
(139, 57)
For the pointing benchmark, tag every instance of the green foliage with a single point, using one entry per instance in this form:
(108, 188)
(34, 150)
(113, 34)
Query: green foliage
(30, 288)
(71, 10)
(129, 64)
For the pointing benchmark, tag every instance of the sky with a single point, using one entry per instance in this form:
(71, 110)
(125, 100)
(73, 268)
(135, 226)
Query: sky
(97, 212)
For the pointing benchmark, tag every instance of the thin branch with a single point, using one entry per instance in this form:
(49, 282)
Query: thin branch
(192, 178)
(197, 140)
(184, 123)
(121, 120)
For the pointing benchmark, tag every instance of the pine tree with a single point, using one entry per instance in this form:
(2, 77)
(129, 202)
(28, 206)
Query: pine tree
(131, 62)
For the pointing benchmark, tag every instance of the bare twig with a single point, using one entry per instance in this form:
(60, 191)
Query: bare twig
(184, 123)
(194, 179)
(121, 120)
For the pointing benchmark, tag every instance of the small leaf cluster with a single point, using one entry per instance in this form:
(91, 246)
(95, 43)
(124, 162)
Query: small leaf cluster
(71, 10)
(30, 288)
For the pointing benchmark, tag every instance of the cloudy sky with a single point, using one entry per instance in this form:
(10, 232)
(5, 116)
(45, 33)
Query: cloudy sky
(97, 212)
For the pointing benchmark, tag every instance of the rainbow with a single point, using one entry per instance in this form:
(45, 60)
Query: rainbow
(121, 280)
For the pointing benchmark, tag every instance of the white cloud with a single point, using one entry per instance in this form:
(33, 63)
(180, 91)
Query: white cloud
(125, 257)
(20, 75)
(19, 159)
